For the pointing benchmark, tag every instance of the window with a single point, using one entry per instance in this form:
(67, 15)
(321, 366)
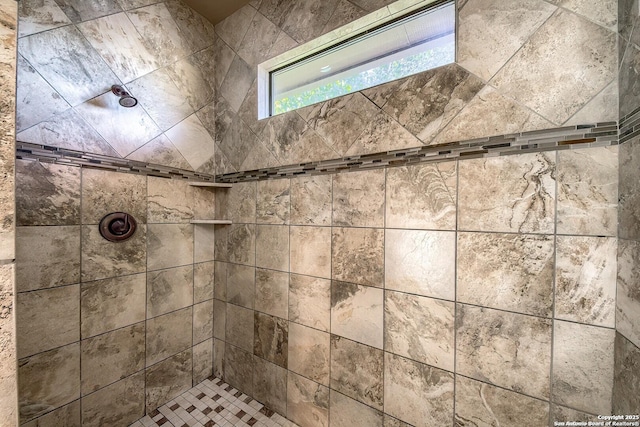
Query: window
(406, 45)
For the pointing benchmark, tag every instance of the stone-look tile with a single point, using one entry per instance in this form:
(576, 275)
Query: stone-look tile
(169, 290)
(307, 402)
(506, 349)
(358, 199)
(311, 200)
(626, 382)
(357, 313)
(389, 421)
(40, 15)
(586, 279)
(78, 10)
(68, 62)
(426, 102)
(242, 244)
(422, 196)
(168, 379)
(239, 327)
(175, 201)
(604, 13)
(306, 20)
(309, 351)
(526, 205)
(48, 380)
(38, 254)
(588, 191)
(583, 359)
(168, 334)
(109, 304)
(193, 141)
(602, 108)
(160, 151)
(420, 262)
(273, 201)
(340, 121)
(420, 328)
(240, 202)
(310, 251)
(286, 131)
(383, 133)
(223, 58)
(270, 385)
(310, 301)
(275, 10)
(104, 192)
(561, 40)
(272, 292)
(564, 414)
(629, 191)
(248, 111)
(356, 371)
(191, 81)
(491, 113)
(629, 87)
(160, 33)
(218, 358)
(220, 245)
(68, 415)
(483, 404)
(203, 276)
(490, 33)
(345, 13)
(195, 28)
(202, 321)
(169, 245)
(219, 319)
(120, 45)
(358, 255)
(8, 367)
(238, 368)
(36, 100)
(120, 403)
(271, 339)
(220, 281)
(628, 295)
(241, 285)
(507, 271)
(161, 98)
(232, 30)
(204, 242)
(47, 194)
(283, 43)
(347, 412)
(202, 361)
(102, 259)
(417, 393)
(237, 83)
(110, 357)
(46, 319)
(125, 129)
(272, 247)
(259, 38)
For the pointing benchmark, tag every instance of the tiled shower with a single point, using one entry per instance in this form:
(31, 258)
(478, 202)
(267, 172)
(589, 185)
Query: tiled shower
(460, 290)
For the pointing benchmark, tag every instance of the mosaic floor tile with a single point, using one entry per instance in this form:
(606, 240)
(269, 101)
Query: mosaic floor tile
(213, 403)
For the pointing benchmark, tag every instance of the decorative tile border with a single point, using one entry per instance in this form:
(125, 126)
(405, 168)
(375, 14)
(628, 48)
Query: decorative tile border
(630, 126)
(571, 137)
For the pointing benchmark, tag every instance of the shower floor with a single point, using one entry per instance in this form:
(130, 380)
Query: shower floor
(213, 403)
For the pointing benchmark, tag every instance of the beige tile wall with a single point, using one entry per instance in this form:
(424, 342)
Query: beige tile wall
(380, 292)
(116, 329)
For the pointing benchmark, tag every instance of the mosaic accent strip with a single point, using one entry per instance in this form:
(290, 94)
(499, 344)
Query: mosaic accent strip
(213, 403)
(629, 126)
(569, 137)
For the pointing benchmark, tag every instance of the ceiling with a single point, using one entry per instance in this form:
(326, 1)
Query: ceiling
(216, 10)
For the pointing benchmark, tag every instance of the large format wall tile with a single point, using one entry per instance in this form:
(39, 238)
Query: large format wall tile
(240, 327)
(418, 394)
(272, 292)
(526, 205)
(8, 366)
(203, 281)
(241, 244)
(68, 415)
(583, 359)
(169, 290)
(169, 334)
(193, 141)
(104, 192)
(506, 349)
(586, 279)
(271, 339)
(270, 385)
(311, 200)
(309, 353)
(38, 254)
(46, 319)
(626, 380)
(357, 313)
(202, 361)
(483, 404)
(233, 29)
(102, 259)
(120, 403)
(198, 31)
(420, 328)
(40, 15)
(420, 262)
(310, 301)
(629, 87)
(358, 199)
(629, 191)
(238, 368)
(48, 380)
(358, 255)
(202, 321)
(241, 285)
(169, 245)
(168, 379)
(310, 249)
(345, 412)
(422, 196)
(273, 202)
(272, 247)
(307, 402)
(588, 191)
(628, 295)
(506, 271)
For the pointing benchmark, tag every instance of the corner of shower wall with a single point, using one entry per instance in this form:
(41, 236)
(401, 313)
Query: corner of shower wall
(626, 392)
(8, 376)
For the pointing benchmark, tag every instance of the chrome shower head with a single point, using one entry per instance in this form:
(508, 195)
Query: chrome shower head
(126, 100)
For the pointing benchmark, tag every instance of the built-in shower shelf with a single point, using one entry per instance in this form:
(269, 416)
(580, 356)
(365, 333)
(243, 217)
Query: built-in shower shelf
(211, 221)
(209, 184)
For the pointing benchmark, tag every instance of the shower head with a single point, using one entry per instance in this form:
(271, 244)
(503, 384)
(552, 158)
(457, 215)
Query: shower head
(126, 100)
